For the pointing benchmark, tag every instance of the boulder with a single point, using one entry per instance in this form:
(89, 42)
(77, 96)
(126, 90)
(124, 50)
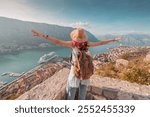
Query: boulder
(97, 63)
(121, 62)
(147, 58)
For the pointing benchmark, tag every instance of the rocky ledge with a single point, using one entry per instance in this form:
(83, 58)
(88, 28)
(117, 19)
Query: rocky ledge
(101, 88)
(29, 80)
(50, 89)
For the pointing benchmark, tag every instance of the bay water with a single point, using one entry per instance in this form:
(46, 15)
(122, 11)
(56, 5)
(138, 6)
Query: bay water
(26, 60)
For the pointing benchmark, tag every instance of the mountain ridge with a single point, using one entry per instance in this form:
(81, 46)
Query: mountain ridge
(131, 39)
(15, 35)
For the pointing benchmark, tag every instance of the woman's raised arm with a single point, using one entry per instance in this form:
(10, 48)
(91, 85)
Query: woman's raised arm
(92, 44)
(52, 39)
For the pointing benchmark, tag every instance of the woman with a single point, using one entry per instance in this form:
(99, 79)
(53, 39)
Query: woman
(79, 38)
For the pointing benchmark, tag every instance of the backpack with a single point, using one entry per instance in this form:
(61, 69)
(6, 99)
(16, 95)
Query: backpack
(83, 65)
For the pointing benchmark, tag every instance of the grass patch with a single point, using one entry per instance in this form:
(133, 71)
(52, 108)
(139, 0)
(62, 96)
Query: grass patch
(137, 71)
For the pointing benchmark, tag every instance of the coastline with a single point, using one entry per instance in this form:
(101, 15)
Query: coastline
(42, 72)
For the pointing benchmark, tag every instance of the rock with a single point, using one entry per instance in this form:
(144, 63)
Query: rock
(124, 96)
(147, 58)
(149, 70)
(96, 90)
(91, 96)
(139, 97)
(97, 63)
(97, 97)
(53, 88)
(118, 89)
(121, 62)
(110, 93)
(119, 51)
(31, 79)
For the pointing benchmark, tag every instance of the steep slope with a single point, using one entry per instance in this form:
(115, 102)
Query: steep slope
(16, 34)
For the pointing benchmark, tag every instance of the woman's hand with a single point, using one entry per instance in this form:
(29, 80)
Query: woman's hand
(35, 33)
(52, 39)
(92, 44)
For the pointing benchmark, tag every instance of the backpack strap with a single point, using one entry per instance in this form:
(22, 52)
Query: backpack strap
(70, 59)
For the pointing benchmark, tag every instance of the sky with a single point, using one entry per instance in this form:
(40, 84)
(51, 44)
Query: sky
(96, 16)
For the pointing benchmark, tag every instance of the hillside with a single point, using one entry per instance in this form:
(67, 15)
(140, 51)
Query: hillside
(132, 39)
(125, 63)
(16, 35)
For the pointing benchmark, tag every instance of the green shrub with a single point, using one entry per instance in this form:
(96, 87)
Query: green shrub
(107, 70)
(138, 75)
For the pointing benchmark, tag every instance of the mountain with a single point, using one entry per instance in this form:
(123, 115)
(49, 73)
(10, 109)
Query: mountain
(132, 39)
(16, 35)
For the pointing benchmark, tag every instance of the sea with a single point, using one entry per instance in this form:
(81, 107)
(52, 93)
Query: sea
(26, 60)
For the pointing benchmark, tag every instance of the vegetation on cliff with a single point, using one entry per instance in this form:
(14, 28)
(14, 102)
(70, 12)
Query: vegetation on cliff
(137, 70)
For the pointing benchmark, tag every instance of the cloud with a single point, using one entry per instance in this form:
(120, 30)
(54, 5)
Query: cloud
(85, 25)
(25, 10)
(17, 9)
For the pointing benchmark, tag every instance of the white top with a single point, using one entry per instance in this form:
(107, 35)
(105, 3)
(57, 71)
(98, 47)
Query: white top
(73, 81)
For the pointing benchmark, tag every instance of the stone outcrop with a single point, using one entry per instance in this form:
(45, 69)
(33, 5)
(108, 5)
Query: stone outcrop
(121, 62)
(147, 58)
(101, 88)
(50, 89)
(28, 80)
(97, 63)
(117, 89)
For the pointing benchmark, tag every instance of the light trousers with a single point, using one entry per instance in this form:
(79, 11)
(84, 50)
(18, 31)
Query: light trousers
(72, 92)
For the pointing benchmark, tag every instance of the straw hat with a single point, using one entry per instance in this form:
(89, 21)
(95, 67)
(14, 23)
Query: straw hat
(79, 35)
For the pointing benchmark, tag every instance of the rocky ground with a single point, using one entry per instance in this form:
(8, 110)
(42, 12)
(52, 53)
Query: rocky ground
(117, 52)
(52, 88)
(120, 52)
(101, 88)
